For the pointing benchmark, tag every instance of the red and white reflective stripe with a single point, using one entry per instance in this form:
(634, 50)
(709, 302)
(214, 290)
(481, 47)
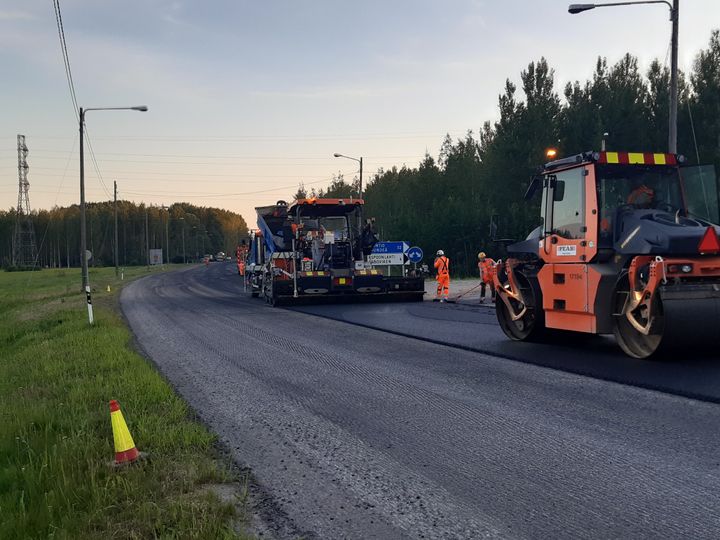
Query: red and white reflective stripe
(637, 158)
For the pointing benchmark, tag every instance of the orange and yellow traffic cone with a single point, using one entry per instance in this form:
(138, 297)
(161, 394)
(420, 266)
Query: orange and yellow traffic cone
(125, 451)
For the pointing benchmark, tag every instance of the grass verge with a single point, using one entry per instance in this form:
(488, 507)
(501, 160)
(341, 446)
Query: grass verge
(57, 375)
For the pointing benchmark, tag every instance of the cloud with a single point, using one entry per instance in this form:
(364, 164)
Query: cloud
(328, 92)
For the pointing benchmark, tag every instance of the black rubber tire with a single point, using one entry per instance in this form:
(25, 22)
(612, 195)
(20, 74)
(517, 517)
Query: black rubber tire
(633, 343)
(531, 327)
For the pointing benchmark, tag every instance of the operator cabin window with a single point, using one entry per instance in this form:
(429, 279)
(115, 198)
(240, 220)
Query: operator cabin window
(569, 204)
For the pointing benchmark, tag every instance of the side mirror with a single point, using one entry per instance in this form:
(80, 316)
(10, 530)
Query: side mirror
(535, 184)
(559, 192)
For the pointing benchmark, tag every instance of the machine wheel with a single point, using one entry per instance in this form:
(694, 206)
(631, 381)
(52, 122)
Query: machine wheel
(633, 342)
(531, 327)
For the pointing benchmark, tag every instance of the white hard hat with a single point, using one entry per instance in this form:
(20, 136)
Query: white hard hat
(440, 253)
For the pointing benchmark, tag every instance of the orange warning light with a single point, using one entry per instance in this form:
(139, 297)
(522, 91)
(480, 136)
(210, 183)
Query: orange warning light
(551, 153)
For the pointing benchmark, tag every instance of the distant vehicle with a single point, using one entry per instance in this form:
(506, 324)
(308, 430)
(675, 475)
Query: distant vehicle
(228, 258)
(220, 256)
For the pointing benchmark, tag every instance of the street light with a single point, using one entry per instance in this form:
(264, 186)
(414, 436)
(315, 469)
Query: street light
(167, 232)
(674, 12)
(83, 227)
(359, 160)
(182, 230)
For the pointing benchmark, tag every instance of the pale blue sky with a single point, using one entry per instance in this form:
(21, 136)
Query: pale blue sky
(256, 96)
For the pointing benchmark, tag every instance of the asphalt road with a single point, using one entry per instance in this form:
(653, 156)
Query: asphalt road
(354, 432)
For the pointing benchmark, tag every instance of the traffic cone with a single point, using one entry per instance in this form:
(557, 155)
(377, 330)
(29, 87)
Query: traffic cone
(108, 289)
(125, 451)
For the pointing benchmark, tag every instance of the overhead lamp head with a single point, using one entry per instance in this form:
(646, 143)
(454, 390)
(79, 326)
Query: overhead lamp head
(579, 8)
(142, 108)
(337, 155)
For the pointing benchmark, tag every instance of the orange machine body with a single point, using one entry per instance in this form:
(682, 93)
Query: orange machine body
(580, 263)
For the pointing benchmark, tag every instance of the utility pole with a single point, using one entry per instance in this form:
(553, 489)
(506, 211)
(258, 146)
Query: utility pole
(672, 133)
(117, 270)
(147, 238)
(167, 234)
(83, 225)
(182, 232)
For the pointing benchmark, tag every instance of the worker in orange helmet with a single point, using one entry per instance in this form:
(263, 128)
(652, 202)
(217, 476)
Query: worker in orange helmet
(485, 266)
(442, 265)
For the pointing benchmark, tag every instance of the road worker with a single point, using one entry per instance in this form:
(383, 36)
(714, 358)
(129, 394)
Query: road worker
(641, 196)
(442, 265)
(485, 266)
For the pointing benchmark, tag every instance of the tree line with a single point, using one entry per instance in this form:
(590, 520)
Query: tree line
(182, 230)
(449, 203)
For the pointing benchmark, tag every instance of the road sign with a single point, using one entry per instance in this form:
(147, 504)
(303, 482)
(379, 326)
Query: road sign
(390, 247)
(386, 259)
(415, 254)
(388, 254)
(156, 256)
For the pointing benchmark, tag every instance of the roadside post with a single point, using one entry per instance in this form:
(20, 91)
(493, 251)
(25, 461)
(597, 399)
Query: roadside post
(89, 304)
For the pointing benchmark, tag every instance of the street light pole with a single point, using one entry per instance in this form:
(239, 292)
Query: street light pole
(83, 228)
(672, 134)
(115, 251)
(674, 18)
(167, 233)
(360, 161)
(182, 232)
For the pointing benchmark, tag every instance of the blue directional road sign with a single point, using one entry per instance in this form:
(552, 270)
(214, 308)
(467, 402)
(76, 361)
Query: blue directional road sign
(389, 254)
(390, 247)
(415, 254)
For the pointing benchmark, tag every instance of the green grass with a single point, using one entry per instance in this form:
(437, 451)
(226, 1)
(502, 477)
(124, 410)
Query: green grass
(57, 375)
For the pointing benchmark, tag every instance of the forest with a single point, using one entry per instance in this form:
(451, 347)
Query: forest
(198, 229)
(448, 202)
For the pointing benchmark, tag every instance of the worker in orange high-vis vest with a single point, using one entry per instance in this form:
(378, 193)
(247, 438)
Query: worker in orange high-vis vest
(641, 196)
(485, 265)
(442, 265)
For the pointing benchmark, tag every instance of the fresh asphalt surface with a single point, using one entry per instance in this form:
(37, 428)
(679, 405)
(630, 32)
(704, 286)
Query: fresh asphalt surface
(354, 432)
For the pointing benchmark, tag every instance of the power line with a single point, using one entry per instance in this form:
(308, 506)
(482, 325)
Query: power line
(71, 86)
(66, 59)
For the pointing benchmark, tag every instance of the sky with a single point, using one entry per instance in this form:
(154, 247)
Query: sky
(248, 99)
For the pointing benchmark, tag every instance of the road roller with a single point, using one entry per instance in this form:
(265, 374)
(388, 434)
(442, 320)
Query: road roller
(628, 245)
